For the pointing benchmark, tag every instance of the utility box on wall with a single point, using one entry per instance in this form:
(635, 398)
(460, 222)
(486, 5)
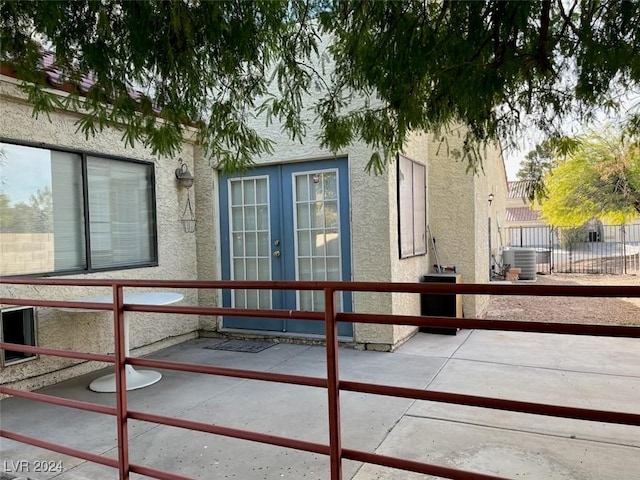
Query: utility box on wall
(441, 305)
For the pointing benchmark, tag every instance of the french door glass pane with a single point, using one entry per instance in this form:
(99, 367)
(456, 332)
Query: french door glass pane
(317, 215)
(317, 243)
(330, 186)
(302, 188)
(317, 233)
(304, 269)
(262, 191)
(304, 244)
(238, 243)
(264, 269)
(331, 214)
(249, 193)
(333, 269)
(331, 242)
(250, 246)
(263, 244)
(236, 193)
(303, 215)
(252, 269)
(262, 214)
(237, 217)
(250, 219)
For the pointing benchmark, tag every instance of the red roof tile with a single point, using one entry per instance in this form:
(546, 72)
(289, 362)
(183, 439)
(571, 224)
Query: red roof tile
(518, 189)
(55, 79)
(522, 214)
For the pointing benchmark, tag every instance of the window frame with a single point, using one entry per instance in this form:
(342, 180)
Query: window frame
(84, 154)
(407, 200)
(34, 327)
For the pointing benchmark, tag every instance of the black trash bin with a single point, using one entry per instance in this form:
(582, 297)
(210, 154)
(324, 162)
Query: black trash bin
(441, 305)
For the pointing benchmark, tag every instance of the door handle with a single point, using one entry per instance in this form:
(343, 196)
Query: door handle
(276, 253)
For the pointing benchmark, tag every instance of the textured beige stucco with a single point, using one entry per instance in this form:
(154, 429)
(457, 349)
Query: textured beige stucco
(369, 215)
(206, 237)
(412, 268)
(459, 212)
(176, 251)
(458, 198)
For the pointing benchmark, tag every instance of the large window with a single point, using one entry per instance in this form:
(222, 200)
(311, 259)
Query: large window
(412, 207)
(64, 212)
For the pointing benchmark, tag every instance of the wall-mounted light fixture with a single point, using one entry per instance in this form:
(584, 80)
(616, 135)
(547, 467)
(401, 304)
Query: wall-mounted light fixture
(184, 176)
(186, 179)
(490, 198)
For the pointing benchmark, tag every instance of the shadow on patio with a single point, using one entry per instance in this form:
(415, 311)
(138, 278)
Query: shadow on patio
(590, 372)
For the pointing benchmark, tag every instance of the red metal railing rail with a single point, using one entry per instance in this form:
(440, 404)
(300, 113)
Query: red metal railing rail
(331, 383)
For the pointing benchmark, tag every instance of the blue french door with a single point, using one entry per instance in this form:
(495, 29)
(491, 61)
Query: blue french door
(285, 222)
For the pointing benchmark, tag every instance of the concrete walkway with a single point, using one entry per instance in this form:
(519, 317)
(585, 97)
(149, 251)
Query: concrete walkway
(600, 373)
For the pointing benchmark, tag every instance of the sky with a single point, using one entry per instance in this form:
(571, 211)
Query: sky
(15, 179)
(512, 164)
(629, 104)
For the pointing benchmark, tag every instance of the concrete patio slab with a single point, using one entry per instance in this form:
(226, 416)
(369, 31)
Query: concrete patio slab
(617, 356)
(533, 367)
(502, 452)
(541, 385)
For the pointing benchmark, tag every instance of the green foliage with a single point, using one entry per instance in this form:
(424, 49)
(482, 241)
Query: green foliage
(599, 178)
(571, 237)
(540, 161)
(35, 216)
(533, 169)
(392, 68)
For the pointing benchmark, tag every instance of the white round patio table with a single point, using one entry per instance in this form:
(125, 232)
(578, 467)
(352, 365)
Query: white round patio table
(135, 378)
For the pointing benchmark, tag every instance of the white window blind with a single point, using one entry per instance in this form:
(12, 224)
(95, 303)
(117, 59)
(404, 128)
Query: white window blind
(412, 207)
(68, 211)
(120, 212)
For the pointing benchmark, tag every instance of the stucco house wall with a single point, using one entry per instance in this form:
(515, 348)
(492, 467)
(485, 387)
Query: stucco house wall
(374, 217)
(176, 252)
(459, 212)
(412, 268)
(370, 200)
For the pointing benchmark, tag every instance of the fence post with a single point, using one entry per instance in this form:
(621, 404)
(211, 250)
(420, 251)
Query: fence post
(121, 382)
(333, 381)
(624, 250)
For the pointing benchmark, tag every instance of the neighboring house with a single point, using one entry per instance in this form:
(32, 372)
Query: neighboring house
(301, 214)
(524, 226)
(592, 248)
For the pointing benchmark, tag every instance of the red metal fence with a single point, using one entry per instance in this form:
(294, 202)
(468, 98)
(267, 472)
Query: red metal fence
(331, 383)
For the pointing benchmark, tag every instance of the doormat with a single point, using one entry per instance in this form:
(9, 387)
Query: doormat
(241, 346)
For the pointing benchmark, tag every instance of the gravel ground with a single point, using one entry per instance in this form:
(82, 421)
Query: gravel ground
(602, 311)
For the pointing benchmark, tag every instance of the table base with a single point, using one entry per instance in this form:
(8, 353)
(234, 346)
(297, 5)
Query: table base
(135, 379)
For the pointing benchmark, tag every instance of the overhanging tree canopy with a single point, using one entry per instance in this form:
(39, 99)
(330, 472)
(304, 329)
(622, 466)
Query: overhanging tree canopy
(419, 64)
